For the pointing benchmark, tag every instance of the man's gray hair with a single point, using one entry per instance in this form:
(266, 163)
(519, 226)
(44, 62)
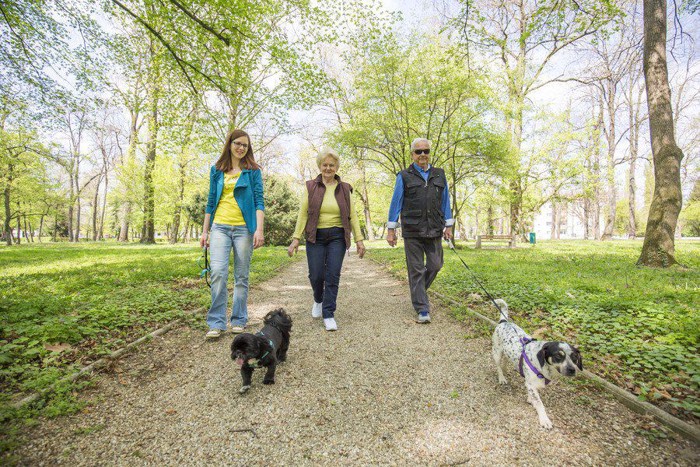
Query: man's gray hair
(420, 140)
(325, 152)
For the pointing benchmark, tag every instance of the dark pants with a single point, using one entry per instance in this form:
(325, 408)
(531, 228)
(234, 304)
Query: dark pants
(423, 261)
(325, 259)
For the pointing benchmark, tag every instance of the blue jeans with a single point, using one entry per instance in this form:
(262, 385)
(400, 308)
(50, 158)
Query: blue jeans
(325, 259)
(222, 239)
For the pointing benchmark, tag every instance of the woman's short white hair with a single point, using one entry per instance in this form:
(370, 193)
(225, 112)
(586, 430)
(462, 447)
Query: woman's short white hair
(325, 152)
(420, 140)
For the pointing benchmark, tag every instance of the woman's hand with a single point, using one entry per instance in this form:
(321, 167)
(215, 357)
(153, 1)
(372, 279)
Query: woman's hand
(293, 247)
(204, 239)
(258, 239)
(360, 248)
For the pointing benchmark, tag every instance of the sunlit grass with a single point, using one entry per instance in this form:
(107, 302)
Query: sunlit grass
(94, 297)
(637, 326)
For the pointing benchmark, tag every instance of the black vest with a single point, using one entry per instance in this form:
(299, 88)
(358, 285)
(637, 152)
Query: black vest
(421, 214)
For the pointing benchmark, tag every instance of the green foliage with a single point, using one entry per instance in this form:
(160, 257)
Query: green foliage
(690, 215)
(195, 207)
(281, 207)
(636, 326)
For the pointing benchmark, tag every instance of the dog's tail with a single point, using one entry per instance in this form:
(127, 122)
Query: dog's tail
(279, 319)
(504, 310)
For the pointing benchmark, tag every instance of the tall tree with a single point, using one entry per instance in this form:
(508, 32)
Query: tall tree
(148, 229)
(659, 243)
(524, 36)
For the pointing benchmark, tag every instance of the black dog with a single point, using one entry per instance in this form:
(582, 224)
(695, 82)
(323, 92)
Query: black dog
(268, 346)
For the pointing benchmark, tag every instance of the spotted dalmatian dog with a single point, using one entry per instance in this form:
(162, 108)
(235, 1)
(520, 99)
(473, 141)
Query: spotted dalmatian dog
(537, 361)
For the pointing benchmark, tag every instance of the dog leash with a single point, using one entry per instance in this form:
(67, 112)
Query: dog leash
(205, 270)
(476, 279)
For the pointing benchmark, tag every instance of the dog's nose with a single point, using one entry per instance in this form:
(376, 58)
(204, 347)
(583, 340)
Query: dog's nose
(569, 371)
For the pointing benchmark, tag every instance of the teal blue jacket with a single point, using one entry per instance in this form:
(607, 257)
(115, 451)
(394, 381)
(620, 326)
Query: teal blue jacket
(248, 193)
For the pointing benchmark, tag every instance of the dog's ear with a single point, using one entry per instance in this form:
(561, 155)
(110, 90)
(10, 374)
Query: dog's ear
(545, 352)
(576, 358)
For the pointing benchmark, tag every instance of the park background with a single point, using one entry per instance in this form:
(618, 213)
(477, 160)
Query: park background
(112, 112)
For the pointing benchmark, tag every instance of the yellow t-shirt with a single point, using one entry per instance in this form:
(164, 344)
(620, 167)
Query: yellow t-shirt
(228, 212)
(329, 215)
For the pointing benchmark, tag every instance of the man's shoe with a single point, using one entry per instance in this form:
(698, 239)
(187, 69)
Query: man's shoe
(237, 329)
(317, 310)
(330, 323)
(423, 317)
(214, 333)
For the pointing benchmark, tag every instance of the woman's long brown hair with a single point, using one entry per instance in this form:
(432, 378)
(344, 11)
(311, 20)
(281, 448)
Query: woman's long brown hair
(225, 162)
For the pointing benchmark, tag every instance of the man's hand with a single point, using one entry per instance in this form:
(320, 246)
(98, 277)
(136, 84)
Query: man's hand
(391, 237)
(448, 233)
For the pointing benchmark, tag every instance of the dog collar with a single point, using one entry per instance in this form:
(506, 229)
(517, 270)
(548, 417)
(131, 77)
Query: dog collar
(272, 344)
(523, 357)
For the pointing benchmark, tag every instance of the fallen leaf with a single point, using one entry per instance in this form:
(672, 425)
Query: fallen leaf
(59, 347)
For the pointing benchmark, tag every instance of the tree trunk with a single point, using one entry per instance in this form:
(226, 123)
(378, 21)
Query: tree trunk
(659, 243)
(19, 227)
(71, 201)
(101, 236)
(586, 218)
(553, 230)
(95, 208)
(610, 169)
(632, 183)
(365, 204)
(148, 231)
(186, 231)
(180, 201)
(130, 157)
(28, 234)
(41, 226)
(596, 175)
(78, 206)
(7, 229)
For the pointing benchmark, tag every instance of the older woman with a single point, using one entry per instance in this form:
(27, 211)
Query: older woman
(326, 217)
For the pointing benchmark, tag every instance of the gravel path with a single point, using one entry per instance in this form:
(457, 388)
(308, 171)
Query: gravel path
(381, 390)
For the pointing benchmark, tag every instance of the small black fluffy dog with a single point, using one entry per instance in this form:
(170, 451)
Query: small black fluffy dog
(267, 347)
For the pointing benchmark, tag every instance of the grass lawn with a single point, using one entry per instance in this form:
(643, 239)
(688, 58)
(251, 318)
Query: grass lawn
(638, 327)
(65, 305)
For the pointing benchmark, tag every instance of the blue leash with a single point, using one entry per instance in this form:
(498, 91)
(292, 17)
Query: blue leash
(205, 269)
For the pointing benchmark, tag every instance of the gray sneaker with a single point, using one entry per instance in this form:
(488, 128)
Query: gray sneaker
(423, 317)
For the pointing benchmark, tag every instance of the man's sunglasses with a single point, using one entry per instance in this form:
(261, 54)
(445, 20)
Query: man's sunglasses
(421, 151)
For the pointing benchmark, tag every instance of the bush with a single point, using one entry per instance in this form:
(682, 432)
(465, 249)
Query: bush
(281, 209)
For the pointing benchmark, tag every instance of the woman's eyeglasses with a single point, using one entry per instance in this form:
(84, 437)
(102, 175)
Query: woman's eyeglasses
(240, 145)
(421, 151)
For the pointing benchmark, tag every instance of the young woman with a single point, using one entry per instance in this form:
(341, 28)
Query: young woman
(233, 220)
(327, 217)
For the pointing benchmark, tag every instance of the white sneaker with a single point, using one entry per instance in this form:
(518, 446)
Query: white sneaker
(317, 310)
(214, 333)
(330, 323)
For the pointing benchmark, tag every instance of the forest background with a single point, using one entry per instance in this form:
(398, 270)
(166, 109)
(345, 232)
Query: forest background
(112, 112)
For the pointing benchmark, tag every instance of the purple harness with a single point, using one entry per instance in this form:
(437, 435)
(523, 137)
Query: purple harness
(523, 357)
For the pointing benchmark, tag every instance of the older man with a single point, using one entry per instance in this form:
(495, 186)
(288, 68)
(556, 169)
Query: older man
(422, 199)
